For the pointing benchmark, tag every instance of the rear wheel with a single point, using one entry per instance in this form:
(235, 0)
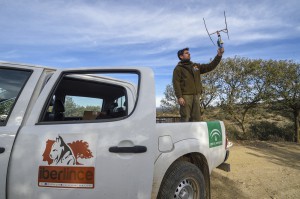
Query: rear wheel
(182, 181)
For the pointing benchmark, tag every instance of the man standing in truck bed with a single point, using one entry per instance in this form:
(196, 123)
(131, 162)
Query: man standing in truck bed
(187, 83)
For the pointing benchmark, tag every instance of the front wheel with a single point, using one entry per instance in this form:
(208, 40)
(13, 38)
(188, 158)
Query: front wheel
(183, 180)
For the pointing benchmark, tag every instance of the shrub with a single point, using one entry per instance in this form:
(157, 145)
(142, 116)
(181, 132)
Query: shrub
(271, 131)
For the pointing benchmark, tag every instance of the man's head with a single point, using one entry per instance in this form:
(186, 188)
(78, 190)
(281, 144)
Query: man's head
(184, 54)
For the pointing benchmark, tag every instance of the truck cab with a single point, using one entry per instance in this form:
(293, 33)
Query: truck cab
(50, 150)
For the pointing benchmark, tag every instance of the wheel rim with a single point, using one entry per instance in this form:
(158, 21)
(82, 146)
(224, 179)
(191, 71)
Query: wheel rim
(187, 189)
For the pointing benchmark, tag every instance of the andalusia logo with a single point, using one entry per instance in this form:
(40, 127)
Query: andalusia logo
(214, 133)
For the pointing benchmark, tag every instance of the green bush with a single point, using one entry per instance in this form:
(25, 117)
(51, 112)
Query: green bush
(271, 131)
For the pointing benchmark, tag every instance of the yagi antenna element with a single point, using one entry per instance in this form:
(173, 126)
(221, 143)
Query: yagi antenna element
(220, 42)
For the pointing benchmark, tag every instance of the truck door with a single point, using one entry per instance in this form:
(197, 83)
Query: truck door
(90, 135)
(17, 85)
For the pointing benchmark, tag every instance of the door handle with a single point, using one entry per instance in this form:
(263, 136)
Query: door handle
(2, 149)
(133, 149)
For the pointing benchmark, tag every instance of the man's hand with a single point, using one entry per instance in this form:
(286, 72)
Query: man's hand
(220, 51)
(181, 101)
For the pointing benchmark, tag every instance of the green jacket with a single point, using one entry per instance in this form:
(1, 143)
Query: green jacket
(186, 76)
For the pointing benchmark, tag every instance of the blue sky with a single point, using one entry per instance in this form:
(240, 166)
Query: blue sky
(76, 33)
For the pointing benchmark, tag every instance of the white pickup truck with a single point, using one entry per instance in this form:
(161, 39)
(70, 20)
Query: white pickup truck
(92, 133)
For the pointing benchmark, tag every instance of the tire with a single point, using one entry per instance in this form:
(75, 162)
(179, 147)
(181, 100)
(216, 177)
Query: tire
(183, 180)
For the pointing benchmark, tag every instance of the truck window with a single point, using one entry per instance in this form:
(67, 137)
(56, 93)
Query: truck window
(12, 82)
(97, 97)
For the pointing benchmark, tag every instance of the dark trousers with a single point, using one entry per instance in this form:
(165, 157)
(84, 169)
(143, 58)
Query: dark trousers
(190, 112)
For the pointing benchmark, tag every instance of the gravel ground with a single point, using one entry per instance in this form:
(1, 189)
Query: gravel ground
(259, 170)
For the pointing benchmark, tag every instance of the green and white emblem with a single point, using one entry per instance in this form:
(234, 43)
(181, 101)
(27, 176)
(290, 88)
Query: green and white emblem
(214, 133)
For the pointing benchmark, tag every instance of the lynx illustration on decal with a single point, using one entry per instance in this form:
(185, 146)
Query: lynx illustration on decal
(57, 152)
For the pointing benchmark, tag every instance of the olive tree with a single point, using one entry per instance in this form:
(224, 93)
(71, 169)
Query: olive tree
(242, 87)
(284, 79)
(169, 102)
(211, 84)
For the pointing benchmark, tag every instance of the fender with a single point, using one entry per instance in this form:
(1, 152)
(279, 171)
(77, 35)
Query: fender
(180, 149)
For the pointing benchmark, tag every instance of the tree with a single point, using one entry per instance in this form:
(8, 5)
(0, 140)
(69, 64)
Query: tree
(75, 110)
(71, 107)
(6, 105)
(169, 103)
(242, 87)
(284, 80)
(211, 85)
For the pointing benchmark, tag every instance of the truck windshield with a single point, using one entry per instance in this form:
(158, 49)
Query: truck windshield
(11, 83)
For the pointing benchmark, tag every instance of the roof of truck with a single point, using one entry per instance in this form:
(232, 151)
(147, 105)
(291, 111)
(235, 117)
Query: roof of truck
(12, 64)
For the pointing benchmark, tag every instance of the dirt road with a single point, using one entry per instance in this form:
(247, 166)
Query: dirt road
(259, 170)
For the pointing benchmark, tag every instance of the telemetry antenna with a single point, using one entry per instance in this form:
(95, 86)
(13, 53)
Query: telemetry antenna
(219, 42)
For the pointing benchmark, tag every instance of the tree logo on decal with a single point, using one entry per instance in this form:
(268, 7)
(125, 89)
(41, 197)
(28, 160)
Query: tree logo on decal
(57, 152)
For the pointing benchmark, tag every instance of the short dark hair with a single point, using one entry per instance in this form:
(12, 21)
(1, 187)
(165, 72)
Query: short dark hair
(180, 52)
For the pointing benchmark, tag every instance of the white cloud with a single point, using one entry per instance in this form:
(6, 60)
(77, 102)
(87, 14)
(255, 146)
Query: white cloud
(160, 26)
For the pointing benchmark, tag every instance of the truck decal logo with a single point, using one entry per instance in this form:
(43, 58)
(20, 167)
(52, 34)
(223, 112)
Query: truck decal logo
(66, 177)
(57, 152)
(214, 133)
(65, 165)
